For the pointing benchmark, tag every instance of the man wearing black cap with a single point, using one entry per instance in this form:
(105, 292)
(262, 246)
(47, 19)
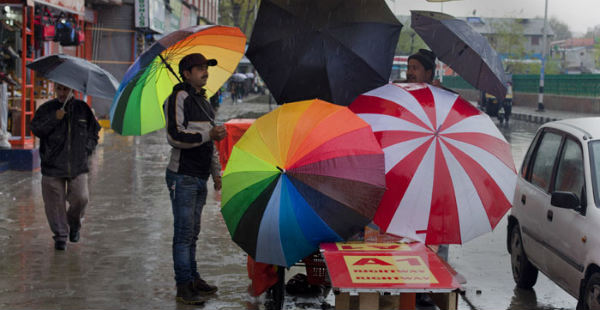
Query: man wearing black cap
(190, 131)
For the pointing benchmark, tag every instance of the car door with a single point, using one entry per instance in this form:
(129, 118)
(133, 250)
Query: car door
(566, 228)
(532, 196)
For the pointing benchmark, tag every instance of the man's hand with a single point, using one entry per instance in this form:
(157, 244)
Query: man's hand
(217, 133)
(60, 114)
(218, 183)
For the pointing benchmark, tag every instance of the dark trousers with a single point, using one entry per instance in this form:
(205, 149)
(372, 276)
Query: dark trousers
(56, 192)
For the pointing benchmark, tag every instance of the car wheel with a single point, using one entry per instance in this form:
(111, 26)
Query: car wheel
(590, 299)
(524, 273)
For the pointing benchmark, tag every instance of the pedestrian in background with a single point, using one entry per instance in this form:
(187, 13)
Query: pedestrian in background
(507, 103)
(190, 132)
(68, 133)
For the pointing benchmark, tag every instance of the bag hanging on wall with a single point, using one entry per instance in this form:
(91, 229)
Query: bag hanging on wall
(66, 33)
(44, 25)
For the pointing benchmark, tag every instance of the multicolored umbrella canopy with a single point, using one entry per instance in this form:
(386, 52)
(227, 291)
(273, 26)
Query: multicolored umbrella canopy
(449, 171)
(305, 173)
(137, 107)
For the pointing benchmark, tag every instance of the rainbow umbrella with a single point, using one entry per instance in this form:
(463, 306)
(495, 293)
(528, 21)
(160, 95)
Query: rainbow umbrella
(137, 106)
(305, 173)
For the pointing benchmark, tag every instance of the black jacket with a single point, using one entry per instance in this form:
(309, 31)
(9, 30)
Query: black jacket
(188, 115)
(65, 144)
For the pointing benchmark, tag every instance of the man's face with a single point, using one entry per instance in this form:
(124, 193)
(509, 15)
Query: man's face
(416, 73)
(62, 92)
(197, 75)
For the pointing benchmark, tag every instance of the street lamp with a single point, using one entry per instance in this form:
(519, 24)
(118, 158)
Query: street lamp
(541, 89)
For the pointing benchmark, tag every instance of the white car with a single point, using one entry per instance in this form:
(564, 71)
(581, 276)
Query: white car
(554, 224)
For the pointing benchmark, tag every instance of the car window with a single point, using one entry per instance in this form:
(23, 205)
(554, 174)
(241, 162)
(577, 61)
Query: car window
(570, 175)
(526, 166)
(595, 169)
(544, 160)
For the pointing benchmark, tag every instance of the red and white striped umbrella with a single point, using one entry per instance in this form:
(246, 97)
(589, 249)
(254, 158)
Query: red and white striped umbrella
(450, 174)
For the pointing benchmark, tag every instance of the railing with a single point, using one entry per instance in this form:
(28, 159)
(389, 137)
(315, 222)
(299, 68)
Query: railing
(580, 85)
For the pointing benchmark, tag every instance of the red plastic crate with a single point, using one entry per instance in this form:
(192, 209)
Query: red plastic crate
(316, 269)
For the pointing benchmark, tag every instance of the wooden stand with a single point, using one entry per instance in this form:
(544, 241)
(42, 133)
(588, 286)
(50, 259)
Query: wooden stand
(403, 301)
(373, 276)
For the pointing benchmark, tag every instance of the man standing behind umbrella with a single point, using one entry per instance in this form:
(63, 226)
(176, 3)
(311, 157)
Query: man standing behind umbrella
(191, 133)
(68, 133)
(420, 67)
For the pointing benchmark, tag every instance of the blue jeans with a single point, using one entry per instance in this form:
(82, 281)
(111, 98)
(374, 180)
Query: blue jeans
(188, 195)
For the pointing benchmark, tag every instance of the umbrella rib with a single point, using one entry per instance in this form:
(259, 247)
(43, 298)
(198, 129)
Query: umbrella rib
(316, 189)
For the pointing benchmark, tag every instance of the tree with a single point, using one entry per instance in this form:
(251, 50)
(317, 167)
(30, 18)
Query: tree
(508, 38)
(409, 42)
(561, 30)
(238, 13)
(593, 32)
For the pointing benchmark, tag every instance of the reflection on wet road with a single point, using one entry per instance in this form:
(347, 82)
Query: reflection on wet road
(123, 260)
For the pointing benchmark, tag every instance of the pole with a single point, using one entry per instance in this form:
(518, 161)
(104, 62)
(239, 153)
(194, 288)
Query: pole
(541, 90)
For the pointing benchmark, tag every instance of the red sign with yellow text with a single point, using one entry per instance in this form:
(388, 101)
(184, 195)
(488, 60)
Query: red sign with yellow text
(387, 265)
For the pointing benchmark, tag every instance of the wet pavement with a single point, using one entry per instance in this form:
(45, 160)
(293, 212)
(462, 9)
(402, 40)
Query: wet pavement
(123, 260)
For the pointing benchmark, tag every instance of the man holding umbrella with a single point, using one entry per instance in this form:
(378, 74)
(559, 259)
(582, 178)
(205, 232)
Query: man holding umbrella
(68, 133)
(191, 132)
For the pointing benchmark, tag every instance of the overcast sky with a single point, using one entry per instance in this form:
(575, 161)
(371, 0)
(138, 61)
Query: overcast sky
(578, 14)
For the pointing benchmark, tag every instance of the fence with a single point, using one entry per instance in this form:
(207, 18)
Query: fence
(581, 85)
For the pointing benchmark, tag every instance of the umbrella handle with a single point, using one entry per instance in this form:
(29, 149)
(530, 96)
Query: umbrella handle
(169, 67)
(212, 121)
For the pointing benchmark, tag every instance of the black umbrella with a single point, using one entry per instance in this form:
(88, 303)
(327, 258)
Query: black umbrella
(76, 73)
(463, 49)
(328, 49)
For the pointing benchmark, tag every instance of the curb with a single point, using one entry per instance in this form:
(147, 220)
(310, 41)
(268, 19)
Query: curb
(538, 119)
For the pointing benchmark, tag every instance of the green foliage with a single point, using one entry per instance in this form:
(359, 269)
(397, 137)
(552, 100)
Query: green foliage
(238, 13)
(409, 42)
(561, 30)
(553, 66)
(508, 38)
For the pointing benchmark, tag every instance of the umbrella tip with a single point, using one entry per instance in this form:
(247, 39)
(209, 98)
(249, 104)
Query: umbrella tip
(281, 169)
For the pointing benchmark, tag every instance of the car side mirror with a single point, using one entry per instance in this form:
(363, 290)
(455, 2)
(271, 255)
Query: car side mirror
(565, 200)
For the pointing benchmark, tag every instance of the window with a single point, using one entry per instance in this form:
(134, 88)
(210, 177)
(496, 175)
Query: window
(544, 160)
(535, 40)
(570, 176)
(595, 169)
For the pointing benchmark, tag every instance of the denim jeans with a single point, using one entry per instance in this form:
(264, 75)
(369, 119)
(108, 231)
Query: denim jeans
(188, 196)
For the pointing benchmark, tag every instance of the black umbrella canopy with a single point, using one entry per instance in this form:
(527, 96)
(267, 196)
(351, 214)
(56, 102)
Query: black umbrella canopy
(328, 49)
(76, 73)
(463, 49)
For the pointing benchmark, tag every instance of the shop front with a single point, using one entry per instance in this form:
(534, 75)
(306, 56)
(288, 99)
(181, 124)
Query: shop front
(31, 29)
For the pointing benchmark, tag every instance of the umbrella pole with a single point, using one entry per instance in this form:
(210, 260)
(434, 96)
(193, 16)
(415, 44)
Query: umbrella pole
(212, 121)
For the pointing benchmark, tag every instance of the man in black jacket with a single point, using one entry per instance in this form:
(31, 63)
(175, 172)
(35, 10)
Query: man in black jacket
(68, 133)
(191, 132)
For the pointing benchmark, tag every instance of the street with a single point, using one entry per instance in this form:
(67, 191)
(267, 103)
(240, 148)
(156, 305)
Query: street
(485, 262)
(123, 260)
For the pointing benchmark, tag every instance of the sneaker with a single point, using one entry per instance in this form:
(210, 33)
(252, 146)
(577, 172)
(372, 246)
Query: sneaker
(74, 235)
(187, 295)
(204, 288)
(60, 245)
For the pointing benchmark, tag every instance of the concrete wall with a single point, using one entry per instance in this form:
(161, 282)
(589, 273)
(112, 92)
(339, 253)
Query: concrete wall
(551, 102)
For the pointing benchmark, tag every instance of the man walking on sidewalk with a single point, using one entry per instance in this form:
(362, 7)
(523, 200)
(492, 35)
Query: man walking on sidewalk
(68, 133)
(190, 132)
